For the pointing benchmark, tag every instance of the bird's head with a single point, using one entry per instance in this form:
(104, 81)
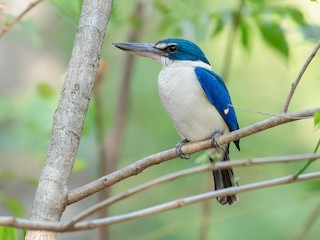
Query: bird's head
(166, 51)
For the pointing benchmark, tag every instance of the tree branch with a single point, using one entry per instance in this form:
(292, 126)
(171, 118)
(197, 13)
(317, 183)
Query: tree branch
(8, 26)
(138, 166)
(298, 78)
(186, 172)
(193, 199)
(61, 227)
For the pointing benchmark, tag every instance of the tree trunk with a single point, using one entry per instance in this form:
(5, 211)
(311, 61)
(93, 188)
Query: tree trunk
(50, 200)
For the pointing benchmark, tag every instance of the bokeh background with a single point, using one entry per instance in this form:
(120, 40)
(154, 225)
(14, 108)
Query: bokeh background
(269, 45)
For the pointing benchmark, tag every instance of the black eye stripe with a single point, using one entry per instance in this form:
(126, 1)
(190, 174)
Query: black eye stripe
(171, 49)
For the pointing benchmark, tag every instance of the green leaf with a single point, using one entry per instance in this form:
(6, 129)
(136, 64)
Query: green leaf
(288, 11)
(244, 34)
(273, 34)
(296, 15)
(219, 25)
(316, 119)
(45, 90)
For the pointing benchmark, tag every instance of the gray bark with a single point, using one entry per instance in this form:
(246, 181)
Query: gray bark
(51, 196)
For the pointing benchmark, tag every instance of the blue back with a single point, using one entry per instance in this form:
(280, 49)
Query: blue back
(186, 50)
(218, 95)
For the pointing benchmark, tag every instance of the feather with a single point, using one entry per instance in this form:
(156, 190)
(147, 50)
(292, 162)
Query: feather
(218, 95)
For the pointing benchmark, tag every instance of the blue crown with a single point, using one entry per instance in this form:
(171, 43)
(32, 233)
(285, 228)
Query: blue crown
(185, 50)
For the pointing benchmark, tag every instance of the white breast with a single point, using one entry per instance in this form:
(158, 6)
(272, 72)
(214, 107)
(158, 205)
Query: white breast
(182, 96)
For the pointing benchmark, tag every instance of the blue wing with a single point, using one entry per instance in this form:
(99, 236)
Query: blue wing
(218, 95)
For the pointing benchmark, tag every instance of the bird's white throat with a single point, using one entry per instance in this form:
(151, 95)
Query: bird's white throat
(166, 62)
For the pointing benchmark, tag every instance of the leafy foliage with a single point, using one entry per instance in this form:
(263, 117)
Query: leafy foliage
(269, 18)
(26, 123)
(270, 21)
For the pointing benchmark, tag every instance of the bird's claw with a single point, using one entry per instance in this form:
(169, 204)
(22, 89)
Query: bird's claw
(179, 151)
(214, 140)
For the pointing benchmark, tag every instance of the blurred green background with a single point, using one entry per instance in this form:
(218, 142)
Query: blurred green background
(272, 39)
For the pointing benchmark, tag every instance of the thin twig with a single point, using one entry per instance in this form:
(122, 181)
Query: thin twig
(310, 160)
(8, 26)
(61, 227)
(170, 177)
(138, 166)
(265, 113)
(135, 190)
(298, 78)
(193, 199)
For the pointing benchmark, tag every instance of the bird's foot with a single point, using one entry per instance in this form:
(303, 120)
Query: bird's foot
(214, 141)
(179, 151)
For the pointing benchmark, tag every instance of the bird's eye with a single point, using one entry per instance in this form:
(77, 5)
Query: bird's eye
(172, 49)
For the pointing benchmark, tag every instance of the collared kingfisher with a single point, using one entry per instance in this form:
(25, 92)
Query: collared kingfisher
(195, 98)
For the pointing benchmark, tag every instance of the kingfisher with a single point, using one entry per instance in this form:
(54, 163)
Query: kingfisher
(195, 98)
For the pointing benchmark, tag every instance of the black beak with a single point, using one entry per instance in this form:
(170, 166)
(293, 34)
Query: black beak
(141, 49)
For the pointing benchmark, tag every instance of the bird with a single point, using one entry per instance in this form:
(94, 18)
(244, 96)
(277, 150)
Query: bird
(195, 98)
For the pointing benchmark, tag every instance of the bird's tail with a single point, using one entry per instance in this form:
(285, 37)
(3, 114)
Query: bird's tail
(225, 178)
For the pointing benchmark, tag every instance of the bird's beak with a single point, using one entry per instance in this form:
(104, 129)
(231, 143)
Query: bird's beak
(141, 49)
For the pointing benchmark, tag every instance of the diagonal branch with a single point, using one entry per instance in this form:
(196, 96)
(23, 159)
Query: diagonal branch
(61, 227)
(182, 173)
(138, 166)
(193, 199)
(8, 26)
(298, 78)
